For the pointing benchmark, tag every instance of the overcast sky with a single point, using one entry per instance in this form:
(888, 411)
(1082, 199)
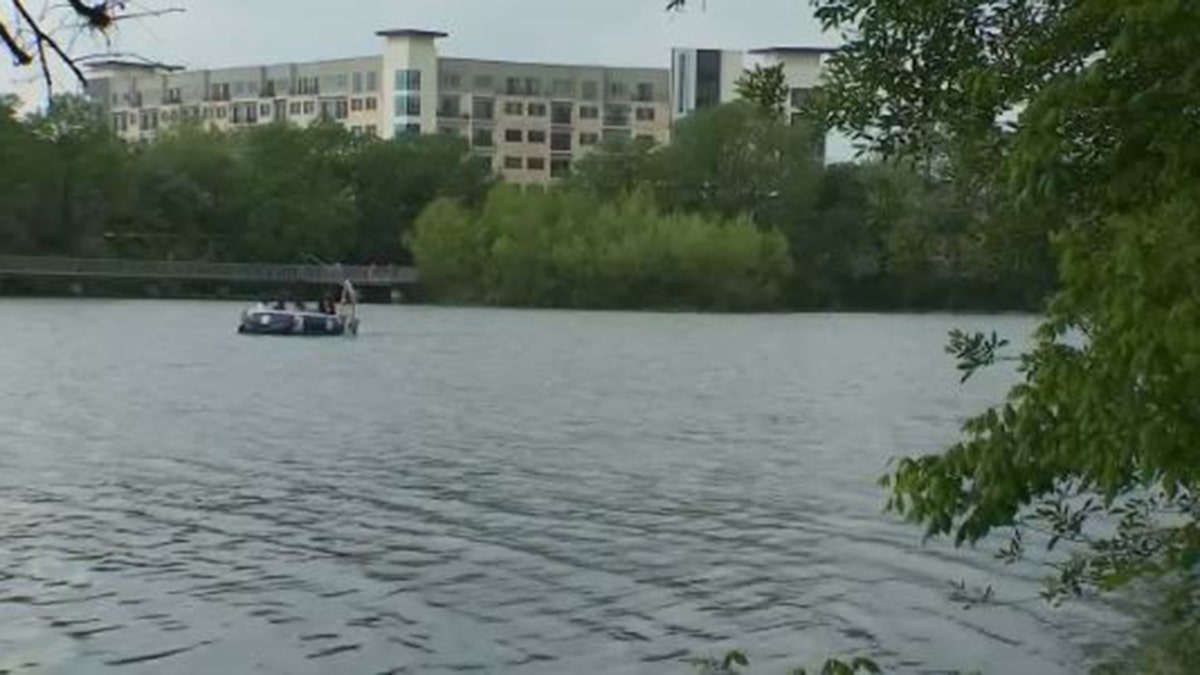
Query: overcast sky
(215, 33)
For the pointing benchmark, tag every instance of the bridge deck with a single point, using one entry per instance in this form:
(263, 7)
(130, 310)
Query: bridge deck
(359, 275)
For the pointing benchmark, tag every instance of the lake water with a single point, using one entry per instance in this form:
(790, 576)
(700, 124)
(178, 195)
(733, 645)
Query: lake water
(493, 491)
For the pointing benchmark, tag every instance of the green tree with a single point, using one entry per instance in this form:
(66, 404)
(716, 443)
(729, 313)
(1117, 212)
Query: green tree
(617, 167)
(24, 177)
(765, 87)
(84, 186)
(1103, 429)
(298, 205)
(189, 201)
(571, 248)
(392, 182)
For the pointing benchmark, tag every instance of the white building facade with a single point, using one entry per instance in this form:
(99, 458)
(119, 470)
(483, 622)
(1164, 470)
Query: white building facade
(533, 120)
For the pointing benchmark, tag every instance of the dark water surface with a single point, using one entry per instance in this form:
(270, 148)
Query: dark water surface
(472, 490)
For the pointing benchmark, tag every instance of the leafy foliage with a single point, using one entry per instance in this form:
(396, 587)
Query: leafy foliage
(271, 193)
(1096, 447)
(765, 87)
(875, 235)
(565, 248)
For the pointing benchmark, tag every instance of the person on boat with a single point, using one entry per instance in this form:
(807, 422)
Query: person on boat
(300, 307)
(280, 306)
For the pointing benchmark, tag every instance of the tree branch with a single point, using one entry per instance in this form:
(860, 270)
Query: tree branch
(22, 57)
(97, 15)
(43, 40)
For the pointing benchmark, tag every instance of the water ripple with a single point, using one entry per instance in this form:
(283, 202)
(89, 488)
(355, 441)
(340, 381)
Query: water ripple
(469, 491)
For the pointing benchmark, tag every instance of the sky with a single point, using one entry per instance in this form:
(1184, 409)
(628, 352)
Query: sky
(218, 33)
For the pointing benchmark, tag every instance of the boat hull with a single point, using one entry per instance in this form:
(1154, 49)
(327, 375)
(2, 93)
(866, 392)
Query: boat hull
(286, 323)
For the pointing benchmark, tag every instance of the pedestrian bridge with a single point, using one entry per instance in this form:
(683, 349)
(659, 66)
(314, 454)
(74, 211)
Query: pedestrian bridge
(389, 276)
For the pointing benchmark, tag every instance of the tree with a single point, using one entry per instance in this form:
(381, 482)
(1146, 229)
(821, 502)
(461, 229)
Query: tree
(82, 173)
(1069, 115)
(189, 199)
(392, 182)
(765, 87)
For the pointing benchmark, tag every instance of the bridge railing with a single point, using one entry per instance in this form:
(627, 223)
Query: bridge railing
(360, 275)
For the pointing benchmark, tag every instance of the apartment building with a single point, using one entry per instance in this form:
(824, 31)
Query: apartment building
(532, 120)
(703, 78)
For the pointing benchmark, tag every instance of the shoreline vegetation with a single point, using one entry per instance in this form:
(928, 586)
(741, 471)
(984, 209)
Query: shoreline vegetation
(737, 214)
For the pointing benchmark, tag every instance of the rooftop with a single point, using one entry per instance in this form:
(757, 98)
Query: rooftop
(794, 49)
(411, 32)
(100, 64)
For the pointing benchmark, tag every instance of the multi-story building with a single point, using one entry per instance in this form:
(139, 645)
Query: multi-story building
(533, 120)
(702, 78)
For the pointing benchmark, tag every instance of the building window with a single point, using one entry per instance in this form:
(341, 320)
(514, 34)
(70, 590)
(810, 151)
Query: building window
(708, 78)
(358, 83)
(450, 106)
(560, 141)
(371, 103)
(562, 112)
(801, 98)
(482, 138)
(239, 89)
(293, 108)
(310, 107)
(513, 163)
(513, 136)
(450, 80)
(589, 112)
(372, 83)
(645, 114)
(536, 136)
(307, 86)
(356, 104)
(408, 80)
(357, 130)
(484, 83)
(617, 135)
(483, 108)
(219, 92)
(560, 168)
(536, 163)
(409, 129)
(340, 109)
(591, 91)
(221, 112)
(563, 88)
(512, 86)
(537, 109)
(372, 130)
(646, 138)
(264, 110)
(514, 108)
(645, 92)
(408, 105)
(589, 138)
(616, 115)
(618, 91)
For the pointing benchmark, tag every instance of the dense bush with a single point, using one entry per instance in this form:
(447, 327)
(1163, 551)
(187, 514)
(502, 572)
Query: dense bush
(566, 248)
